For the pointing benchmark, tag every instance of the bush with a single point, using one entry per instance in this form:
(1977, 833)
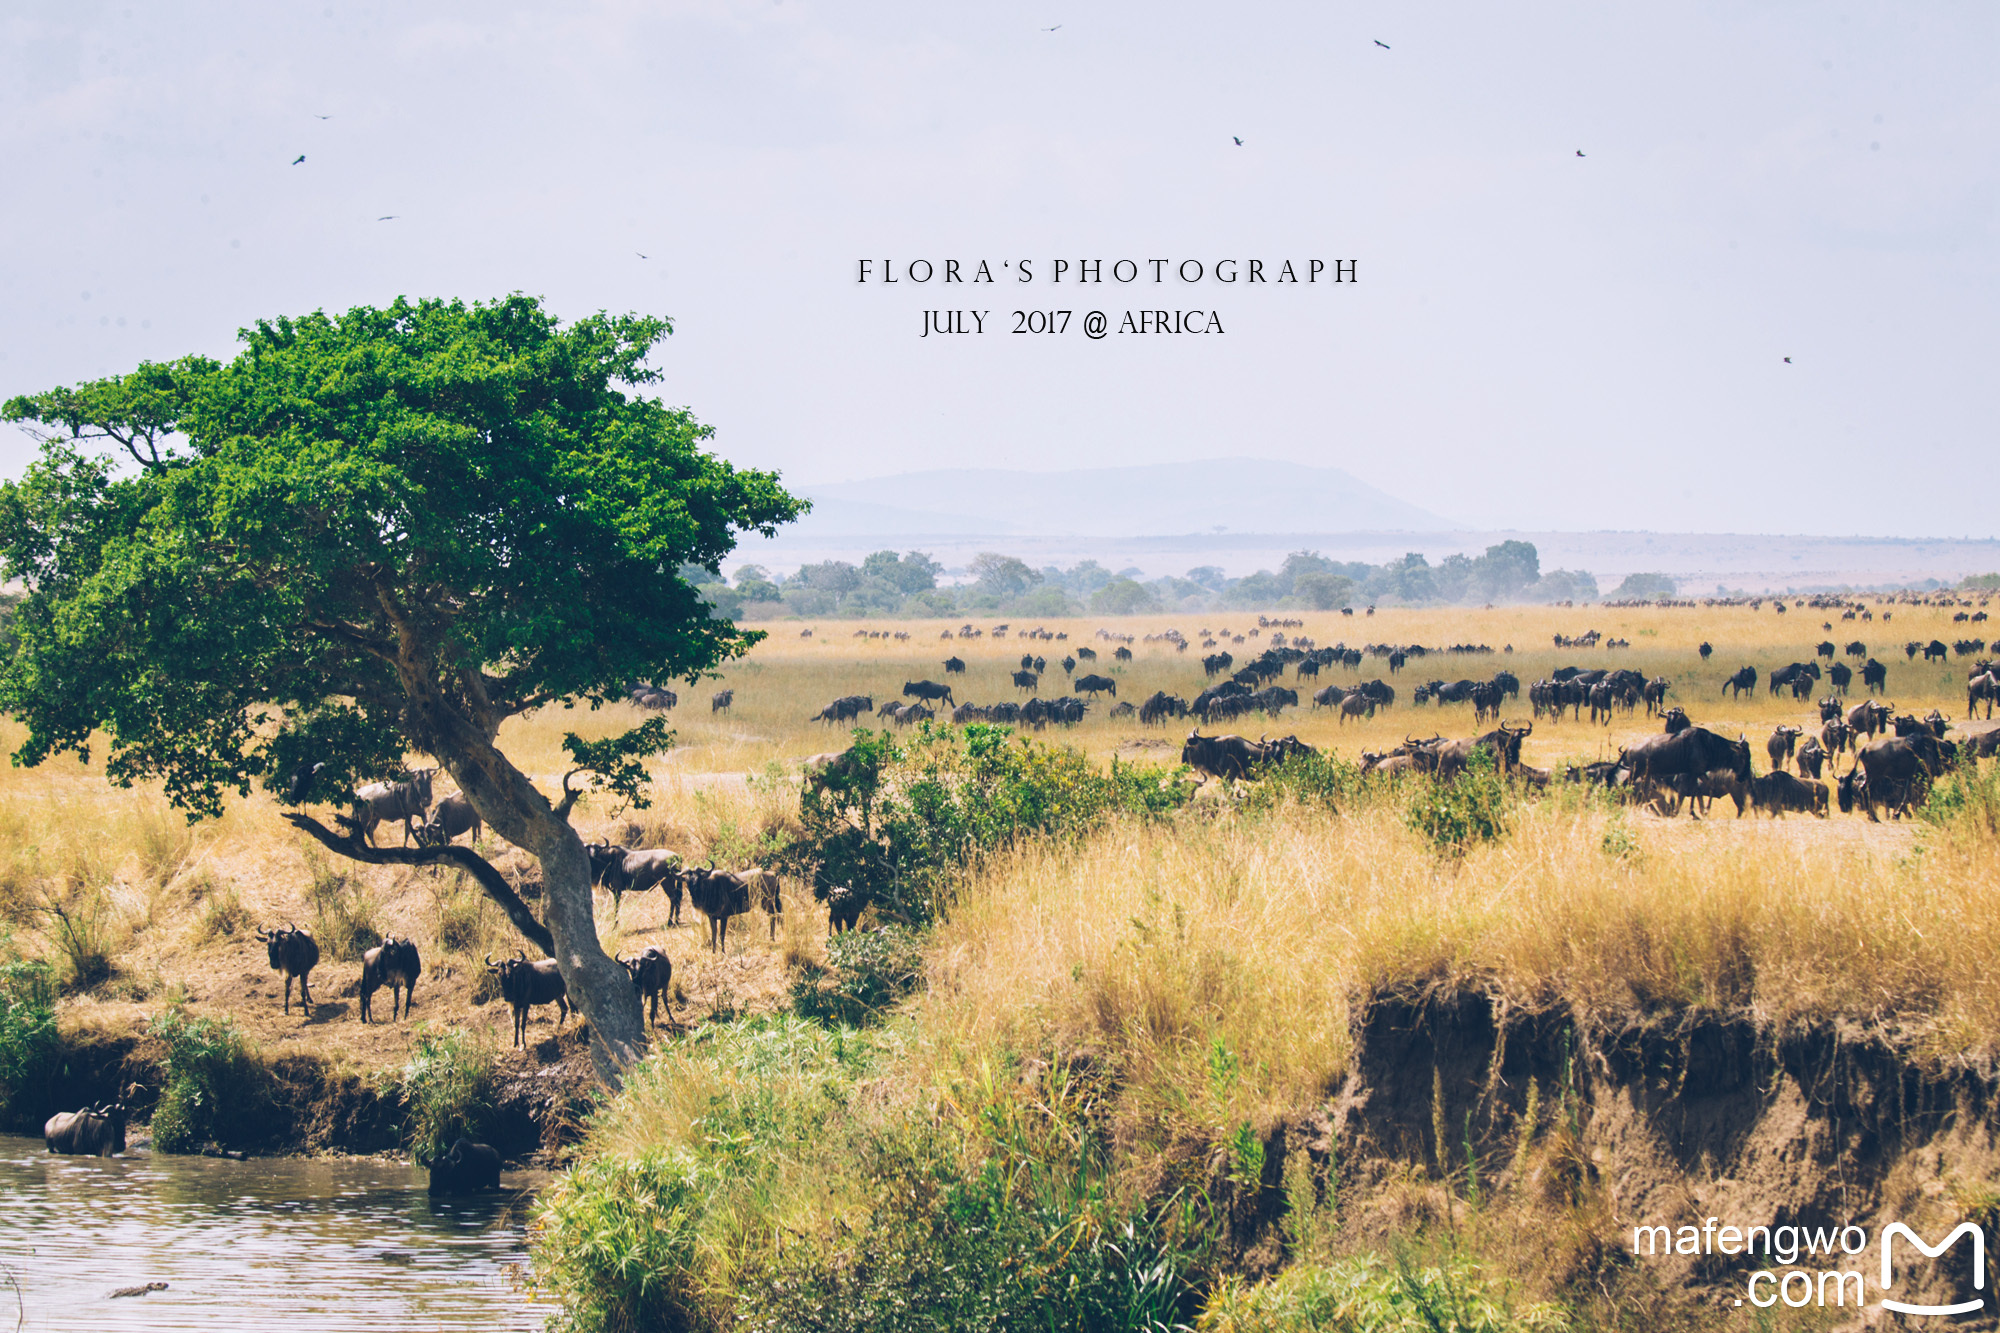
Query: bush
(30, 1049)
(1324, 781)
(1365, 1292)
(81, 930)
(1965, 800)
(214, 1090)
(343, 914)
(618, 1243)
(867, 972)
(447, 1090)
(1458, 814)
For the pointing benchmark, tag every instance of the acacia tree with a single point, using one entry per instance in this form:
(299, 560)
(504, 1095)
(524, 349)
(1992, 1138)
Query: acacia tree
(371, 534)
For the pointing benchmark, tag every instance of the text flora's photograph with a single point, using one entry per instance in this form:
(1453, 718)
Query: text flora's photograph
(1296, 669)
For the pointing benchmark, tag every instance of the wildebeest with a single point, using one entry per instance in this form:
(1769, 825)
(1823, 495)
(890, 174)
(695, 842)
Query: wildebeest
(1826, 649)
(1898, 772)
(653, 697)
(1874, 676)
(1095, 685)
(927, 690)
(1676, 719)
(1983, 688)
(1087, 654)
(1665, 760)
(621, 870)
(1450, 758)
(1069, 665)
(1788, 676)
(1784, 739)
(719, 701)
(1829, 709)
(1840, 676)
(1228, 757)
(454, 815)
(1746, 679)
(1655, 693)
(1935, 649)
(1027, 680)
(1354, 705)
(1836, 736)
(392, 963)
(652, 974)
(1705, 649)
(954, 666)
(293, 954)
(524, 984)
(846, 707)
(467, 1169)
(95, 1131)
(407, 801)
(1161, 706)
(1811, 759)
(1717, 784)
(767, 894)
(1868, 717)
(717, 895)
(1122, 653)
(1778, 792)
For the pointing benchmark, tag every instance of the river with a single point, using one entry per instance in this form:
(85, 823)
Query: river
(275, 1243)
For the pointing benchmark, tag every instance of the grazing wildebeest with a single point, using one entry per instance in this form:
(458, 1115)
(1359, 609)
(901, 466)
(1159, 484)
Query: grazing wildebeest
(1935, 649)
(1857, 649)
(1227, 757)
(467, 1169)
(1717, 784)
(454, 815)
(1826, 649)
(620, 871)
(1354, 705)
(653, 697)
(1811, 759)
(1122, 710)
(1027, 680)
(1874, 676)
(719, 701)
(717, 895)
(1087, 654)
(928, 691)
(954, 666)
(1160, 707)
(1784, 739)
(95, 1131)
(1450, 758)
(1095, 685)
(392, 963)
(1746, 679)
(1911, 648)
(1779, 792)
(1329, 696)
(407, 801)
(652, 974)
(1122, 653)
(1868, 717)
(293, 954)
(524, 984)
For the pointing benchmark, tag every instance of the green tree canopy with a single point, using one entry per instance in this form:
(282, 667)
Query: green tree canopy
(371, 533)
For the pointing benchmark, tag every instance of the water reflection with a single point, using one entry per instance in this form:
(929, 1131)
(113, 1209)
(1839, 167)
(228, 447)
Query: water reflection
(331, 1245)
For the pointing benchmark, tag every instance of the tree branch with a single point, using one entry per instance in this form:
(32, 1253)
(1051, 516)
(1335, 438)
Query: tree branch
(355, 848)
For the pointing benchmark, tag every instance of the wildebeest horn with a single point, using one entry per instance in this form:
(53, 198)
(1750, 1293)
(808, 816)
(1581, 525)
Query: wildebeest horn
(523, 953)
(489, 962)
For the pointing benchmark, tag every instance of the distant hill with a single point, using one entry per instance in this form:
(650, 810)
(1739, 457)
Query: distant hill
(1157, 499)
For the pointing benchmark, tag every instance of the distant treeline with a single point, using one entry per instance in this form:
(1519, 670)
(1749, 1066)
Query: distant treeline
(889, 584)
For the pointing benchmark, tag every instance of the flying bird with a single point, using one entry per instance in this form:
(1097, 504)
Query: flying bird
(1239, 142)
(1379, 42)
(637, 253)
(1788, 360)
(300, 158)
(317, 116)
(388, 217)
(1579, 152)
(1051, 29)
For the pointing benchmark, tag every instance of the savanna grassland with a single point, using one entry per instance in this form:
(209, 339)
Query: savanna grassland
(1266, 1059)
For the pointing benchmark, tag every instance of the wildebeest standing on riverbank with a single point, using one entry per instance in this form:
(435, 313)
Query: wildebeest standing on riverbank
(524, 984)
(293, 954)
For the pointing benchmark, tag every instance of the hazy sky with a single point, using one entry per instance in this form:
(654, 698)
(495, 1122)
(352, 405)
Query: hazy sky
(1536, 339)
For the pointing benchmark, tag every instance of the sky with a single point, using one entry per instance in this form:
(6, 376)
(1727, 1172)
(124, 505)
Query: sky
(1532, 338)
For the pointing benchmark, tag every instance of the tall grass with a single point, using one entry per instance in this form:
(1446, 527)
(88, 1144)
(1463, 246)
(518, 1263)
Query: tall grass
(30, 1048)
(447, 1090)
(214, 1089)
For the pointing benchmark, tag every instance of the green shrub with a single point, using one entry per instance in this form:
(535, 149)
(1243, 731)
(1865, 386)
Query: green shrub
(866, 972)
(1394, 1296)
(30, 1049)
(1321, 780)
(1965, 800)
(618, 1243)
(447, 1090)
(1459, 813)
(213, 1092)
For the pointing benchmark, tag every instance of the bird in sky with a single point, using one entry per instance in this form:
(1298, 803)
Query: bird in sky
(1239, 142)
(1379, 42)
(637, 253)
(1788, 360)
(388, 217)
(300, 158)
(318, 116)
(1579, 152)
(1051, 29)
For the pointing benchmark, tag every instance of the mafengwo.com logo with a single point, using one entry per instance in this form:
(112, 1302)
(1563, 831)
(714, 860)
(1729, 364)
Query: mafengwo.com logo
(1822, 1266)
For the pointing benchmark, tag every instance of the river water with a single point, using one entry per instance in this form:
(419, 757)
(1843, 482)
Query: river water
(290, 1244)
